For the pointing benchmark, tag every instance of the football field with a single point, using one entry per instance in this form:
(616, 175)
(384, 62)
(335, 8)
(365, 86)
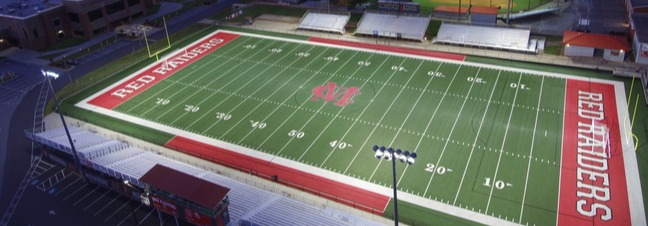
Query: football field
(494, 145)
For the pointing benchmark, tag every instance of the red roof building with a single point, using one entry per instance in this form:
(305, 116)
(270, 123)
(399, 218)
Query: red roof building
(484, 10)
(598, 41)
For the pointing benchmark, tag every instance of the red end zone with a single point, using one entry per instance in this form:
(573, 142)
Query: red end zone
(442, 55)
(160, 70)
(593, 189)
(323, 187)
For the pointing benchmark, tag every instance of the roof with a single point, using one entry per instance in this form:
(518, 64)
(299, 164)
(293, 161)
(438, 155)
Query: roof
(485, 36)
(183, 185)
(26, 8)
(599, 41)
(484, 10)
(640, 23)
(450, 9)
(639, 3)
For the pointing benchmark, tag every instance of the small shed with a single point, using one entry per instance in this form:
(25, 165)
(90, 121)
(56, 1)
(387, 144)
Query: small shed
(584, 44)
(481, 15)
(451, 12)
(640, 41)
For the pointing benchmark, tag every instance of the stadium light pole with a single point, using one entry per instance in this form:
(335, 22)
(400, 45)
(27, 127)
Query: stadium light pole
(390, 154)
(75, 156)
(130, 202)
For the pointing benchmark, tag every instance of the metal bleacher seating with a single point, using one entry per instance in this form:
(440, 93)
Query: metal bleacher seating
(322, 21)
(393, 25)
(243, 198)
(247, 203)
(282, 212)
(486, 36)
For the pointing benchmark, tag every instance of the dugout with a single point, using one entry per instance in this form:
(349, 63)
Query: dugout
(584, 44)
(202, 202)
(451, 12)
(480, 15)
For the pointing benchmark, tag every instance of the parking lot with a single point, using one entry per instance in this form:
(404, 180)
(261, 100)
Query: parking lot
(54, 194)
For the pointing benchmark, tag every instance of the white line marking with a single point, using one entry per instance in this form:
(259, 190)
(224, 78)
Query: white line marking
(157, 94)
(451, 130)
(535, 126)
(508, 124)
(476, 137)
(245, 118)
(314, 59)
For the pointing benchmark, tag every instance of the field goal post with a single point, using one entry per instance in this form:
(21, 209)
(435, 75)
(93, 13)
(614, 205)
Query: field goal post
(157, 53)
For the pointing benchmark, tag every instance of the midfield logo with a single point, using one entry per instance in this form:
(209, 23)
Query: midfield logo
(332, 92)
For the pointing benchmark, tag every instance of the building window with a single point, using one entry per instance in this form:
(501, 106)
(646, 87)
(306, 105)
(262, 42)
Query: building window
(136, 15)
(99, 30)
(115, 7)
(133, 2)
(57, 22)
(74, 17)
(95, 14)
(35, 31)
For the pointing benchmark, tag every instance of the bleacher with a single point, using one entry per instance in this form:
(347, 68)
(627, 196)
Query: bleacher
(247, 203)
(487, 37)
(322, 21)
(282, 212)
(410, 27)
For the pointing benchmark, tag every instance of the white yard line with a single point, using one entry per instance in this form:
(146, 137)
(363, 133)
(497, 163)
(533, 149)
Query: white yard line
(535, 126)
(416, 103)
(363, 111)
(314, 59)
(157, 94)
(318, 110)
(220, 87)
(474, 144)
(391, 143)
(336, 115)
(454, 125)
(294, 112)
(499, 159)
(252, 94)
(562, 141)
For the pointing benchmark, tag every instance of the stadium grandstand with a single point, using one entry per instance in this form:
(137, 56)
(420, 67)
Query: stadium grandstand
(248, 205)
(487, 37)
(324, 21)
(400, 26)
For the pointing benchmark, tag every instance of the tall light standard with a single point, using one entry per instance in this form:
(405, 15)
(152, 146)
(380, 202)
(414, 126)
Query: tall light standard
(49, 75)
(390, 154)
(130, 201)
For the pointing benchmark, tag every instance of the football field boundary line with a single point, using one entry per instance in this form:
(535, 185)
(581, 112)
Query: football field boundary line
(535, 126)
(634, 191)
(472, 149)
(501, 149)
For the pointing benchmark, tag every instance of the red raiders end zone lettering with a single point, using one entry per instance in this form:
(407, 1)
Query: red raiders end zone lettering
(160, 70)
(593, 189)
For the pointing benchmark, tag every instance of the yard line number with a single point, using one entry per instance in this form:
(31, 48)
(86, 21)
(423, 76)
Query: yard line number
(439, 170)
(296, 134)
(257, 124)
(162, 101)
(499, 184)
(339, 144)
(223, 116)
(191, 108)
